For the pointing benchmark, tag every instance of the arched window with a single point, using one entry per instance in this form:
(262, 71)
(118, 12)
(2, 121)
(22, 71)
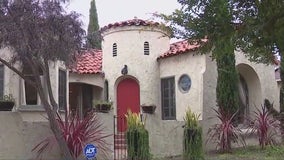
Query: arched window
(114, 50)
(146, 48)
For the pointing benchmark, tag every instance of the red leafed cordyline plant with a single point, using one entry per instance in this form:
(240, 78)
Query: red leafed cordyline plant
(225, 132)
(78, 132)
(266, 127)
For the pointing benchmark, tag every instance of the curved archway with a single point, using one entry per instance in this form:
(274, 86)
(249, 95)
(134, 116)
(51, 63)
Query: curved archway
(250, 94)
(128, 97)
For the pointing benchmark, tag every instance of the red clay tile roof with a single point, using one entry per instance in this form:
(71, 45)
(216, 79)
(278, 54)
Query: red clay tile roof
(180, 48)
(88, 62)
(132, 22)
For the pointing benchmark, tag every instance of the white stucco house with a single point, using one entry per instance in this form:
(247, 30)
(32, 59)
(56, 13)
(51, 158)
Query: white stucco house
(138, 66)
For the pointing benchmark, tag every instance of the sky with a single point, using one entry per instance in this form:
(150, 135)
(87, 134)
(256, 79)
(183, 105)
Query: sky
(111, 11)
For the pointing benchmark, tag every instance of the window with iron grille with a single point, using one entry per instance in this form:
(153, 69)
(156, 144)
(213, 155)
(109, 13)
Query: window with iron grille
(168, 98)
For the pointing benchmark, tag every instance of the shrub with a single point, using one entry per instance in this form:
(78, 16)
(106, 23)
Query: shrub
(192, 149)
(224, 133)
(265, 126)
(137, 138)
(77, 133)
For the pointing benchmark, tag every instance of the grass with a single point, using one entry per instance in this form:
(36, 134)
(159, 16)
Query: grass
(246, 153)
(250, 153)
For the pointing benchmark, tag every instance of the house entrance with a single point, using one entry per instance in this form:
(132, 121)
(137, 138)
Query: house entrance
(249, 91)
(128, 97)
(80, 98)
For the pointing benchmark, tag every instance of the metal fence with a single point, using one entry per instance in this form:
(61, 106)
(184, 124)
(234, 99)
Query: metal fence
(120, 143)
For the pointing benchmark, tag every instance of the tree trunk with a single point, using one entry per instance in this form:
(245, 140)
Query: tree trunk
(55, 128)
(51, 113)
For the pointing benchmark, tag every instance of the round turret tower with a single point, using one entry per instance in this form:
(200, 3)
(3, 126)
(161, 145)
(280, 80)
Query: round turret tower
(130, 51)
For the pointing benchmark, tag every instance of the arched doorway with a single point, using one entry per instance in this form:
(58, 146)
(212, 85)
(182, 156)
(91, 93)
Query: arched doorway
(128, 97)
(250, 94)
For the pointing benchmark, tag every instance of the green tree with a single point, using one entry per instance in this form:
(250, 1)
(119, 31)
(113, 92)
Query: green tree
(37, 33)
(93, 37)
(199, 19)
(261, 33)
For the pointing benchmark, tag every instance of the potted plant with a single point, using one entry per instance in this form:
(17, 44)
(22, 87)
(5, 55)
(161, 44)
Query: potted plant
(192, 137)
(148, 108)
(103, 106)
(7, 103)
(137, 137)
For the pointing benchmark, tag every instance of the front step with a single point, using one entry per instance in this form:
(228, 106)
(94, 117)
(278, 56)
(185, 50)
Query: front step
(120, 141)
(120, 146)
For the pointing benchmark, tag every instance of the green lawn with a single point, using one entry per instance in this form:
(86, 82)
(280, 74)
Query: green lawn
(251, 153)
(246, 153)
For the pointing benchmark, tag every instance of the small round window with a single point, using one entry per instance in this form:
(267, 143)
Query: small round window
(184, 83)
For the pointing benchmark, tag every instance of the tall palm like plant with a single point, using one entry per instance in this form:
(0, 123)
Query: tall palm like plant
(225, 132)
(77, 133)
(265, 126)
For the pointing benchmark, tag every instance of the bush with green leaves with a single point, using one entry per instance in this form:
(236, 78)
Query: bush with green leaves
(192, 149)
(137, 138)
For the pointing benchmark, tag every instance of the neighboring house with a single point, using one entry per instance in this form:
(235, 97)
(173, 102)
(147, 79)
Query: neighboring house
(86, 81)
(27, 125)
(138, 66)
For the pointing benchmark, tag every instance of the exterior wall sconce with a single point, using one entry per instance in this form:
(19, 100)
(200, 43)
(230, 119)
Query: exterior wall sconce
(124, 70)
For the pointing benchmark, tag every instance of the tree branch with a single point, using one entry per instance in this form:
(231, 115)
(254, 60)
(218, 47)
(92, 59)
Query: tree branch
(17, 72)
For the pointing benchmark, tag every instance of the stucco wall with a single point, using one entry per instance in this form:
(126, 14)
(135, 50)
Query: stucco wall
(92, 79)
(209, 99)
(169, 133)
(194, 66)
(19, 134)
(18, 137)
(165, 137)
(107, 120)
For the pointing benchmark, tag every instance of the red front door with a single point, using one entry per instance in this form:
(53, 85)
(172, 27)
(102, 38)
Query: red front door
(128, 97)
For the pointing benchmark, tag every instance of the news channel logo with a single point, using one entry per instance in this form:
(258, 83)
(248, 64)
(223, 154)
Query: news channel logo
(90, 151)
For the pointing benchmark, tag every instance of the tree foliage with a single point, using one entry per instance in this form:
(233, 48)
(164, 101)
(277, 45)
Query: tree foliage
(253, 26)
(261, 28)
(261, 33)
(37, 33)
(93, 37)
(199, 19)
